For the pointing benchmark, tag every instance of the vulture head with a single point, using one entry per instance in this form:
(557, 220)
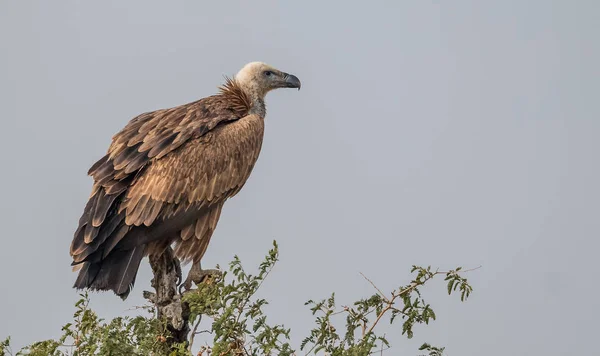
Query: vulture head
(257, 79)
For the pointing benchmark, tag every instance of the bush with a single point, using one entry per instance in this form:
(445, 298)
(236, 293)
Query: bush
(240, 327)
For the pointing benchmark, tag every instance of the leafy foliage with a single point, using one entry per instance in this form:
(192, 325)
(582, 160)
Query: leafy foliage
(239, 326)
(360, 337)
(433, 351)
(90, 335)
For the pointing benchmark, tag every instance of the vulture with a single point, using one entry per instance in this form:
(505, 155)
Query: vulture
(165, 178)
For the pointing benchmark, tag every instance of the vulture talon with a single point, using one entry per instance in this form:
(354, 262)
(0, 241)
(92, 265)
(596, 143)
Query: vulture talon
(179, 273)
(197, 275)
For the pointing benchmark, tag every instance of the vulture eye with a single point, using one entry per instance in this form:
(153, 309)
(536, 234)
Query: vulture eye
(268, 73)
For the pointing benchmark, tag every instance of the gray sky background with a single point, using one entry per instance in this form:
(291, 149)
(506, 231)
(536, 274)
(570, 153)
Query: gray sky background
(426, 132)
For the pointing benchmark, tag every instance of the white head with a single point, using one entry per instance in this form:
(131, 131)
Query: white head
(257, 79)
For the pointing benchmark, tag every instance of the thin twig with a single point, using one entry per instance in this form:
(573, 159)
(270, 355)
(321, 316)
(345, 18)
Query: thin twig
(345, 309)
(461, 271)
(194, 332)
(408, 289)
(382, 350)
(374, 286)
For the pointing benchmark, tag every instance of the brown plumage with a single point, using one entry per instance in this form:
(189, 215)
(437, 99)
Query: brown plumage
(166, 176)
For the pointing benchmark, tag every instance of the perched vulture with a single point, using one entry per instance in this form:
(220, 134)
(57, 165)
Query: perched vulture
(166, 176)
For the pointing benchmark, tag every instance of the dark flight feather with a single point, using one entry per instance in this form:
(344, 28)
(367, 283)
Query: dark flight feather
(103, 203)
(123, 159)
(116, 272)
(98, 164)
(108, 229)
(135, 164)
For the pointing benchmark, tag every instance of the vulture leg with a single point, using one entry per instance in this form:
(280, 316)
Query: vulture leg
(197, 275)
(177, 266)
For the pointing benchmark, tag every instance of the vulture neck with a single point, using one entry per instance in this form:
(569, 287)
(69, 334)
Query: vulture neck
(247, 98)
(256, 94)
(258, 106)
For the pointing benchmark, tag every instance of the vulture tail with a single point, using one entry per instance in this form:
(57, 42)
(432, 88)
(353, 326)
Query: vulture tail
(116, 272)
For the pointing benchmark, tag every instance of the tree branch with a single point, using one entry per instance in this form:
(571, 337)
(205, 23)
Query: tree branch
(167, 301)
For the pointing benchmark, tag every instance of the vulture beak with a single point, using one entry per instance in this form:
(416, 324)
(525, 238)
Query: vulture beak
(291, 81)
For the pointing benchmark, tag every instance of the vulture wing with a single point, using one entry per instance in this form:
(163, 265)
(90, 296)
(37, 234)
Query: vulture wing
(164, 179)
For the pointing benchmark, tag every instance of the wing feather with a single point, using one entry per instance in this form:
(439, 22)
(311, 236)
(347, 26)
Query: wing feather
(122, 160)
(193, 249)
(134, 216)
(152, 213)
(188, 231)
(103, 203)
(204, 170)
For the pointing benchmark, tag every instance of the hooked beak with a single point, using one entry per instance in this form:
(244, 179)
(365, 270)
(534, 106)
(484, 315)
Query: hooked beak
(291, 81)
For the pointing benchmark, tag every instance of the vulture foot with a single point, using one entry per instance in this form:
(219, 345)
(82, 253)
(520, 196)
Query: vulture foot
(198, 275)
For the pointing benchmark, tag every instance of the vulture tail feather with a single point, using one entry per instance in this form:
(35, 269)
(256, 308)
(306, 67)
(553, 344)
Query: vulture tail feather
(116, 272)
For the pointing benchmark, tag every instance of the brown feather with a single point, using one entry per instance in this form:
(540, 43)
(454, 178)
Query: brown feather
(188, 232)
(125, 156)
(91, 231)
(152, 213)
(103, 173)
(104, 232)
(201, 249)
(98, 164)
(133, 215)
(193, 249)
(78, 244)
(115, 187)
(202, 226)
(240, 101)
(103, 203)
(135, 164)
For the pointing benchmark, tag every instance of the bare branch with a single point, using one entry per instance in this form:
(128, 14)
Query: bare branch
(374, 286)
(194, 332)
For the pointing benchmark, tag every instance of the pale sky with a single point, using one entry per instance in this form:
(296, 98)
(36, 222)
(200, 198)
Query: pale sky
(440, 133)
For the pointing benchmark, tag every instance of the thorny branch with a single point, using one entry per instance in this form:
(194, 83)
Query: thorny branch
(395, 295)
(413, 311)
